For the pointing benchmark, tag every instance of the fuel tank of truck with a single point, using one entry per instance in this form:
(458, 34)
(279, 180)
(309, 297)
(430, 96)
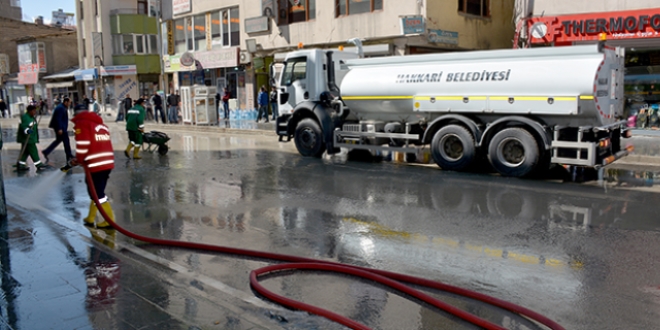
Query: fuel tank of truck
(577, 85)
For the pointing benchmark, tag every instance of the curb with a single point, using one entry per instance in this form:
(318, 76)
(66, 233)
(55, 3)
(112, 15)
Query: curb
(182, 128)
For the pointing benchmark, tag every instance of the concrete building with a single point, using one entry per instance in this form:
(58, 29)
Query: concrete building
(13, 77)
(232, 43)
(11, 9)
(118, 47)
(634, 25)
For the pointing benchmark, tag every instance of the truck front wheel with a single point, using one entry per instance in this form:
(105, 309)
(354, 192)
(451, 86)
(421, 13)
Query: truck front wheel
(309, 138)
(513, 152)
(453, 148)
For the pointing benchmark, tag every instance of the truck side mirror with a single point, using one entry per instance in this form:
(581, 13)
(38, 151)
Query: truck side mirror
(284, 98)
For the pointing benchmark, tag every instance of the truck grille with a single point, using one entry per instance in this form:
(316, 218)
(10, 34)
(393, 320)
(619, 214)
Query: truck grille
(352, 128)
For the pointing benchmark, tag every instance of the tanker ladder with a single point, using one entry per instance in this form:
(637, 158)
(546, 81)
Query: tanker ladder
(351, 136)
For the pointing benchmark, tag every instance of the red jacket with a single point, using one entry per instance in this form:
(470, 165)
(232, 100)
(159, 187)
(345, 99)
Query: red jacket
(93, 144)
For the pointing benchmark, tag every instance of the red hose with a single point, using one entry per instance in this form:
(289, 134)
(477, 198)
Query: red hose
(390, 279)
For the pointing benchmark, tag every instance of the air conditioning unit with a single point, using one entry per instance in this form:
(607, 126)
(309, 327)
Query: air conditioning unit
(245, 57)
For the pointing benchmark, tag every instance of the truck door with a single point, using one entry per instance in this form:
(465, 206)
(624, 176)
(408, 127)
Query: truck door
(293, 84)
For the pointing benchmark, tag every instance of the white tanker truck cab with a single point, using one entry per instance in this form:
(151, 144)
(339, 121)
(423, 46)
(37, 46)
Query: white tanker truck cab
(520, 109)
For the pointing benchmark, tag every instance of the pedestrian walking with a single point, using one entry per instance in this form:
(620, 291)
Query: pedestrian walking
(94, 151)
(273, 102)
(135, 128)
(262, 101)
(225, 102)
(59, 122)
(127, 104)
(158, 107)
(28, 137)
(3, 109)
(218, 98)
(172, 104)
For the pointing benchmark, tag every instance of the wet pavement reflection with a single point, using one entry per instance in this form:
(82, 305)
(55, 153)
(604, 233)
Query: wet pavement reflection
(583, 254)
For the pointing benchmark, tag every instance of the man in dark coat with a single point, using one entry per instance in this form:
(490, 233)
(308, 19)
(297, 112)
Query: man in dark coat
(126, 105)
(59, 122)
(158, 107)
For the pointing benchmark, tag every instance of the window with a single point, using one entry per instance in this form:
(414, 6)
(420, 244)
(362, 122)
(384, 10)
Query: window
(142, 7)
(82, 16)
(127, 44)
(474, 7)
(15, 3)
(200, 32)
(294, 11)
(179, 36)
(295, 69)
(225, 28)
(352, 7)
(153, 44)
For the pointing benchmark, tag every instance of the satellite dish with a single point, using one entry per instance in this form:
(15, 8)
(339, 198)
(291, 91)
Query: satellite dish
(187, 59)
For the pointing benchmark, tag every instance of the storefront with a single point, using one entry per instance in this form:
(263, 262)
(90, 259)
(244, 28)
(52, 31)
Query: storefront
(219, 67)
(636, 30)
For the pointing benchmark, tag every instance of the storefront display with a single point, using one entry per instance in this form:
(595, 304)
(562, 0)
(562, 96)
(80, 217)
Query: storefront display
(638, 31)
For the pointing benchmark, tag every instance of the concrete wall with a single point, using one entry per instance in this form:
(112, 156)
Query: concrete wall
(12, 29)
(564, 7)
(495, 31)
(8, 11)
(61, 52)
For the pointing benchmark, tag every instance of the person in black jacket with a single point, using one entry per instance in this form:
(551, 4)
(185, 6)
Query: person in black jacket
(59, 122)
(158, 107)
(126, 105)
(172, 104)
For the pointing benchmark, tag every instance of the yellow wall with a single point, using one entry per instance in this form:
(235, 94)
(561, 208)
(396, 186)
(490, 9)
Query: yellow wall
(474, 32)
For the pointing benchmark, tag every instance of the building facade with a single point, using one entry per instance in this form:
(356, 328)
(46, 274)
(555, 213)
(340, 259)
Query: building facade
(11, 9)
(634, 25)
(13, 77)
(232, 43)
(118, 48)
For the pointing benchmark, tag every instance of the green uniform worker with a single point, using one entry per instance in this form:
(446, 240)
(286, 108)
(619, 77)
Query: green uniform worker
(135, 128)
(28, 137)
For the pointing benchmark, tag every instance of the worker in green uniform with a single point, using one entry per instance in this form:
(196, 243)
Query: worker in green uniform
(28, 137)
(135, 128)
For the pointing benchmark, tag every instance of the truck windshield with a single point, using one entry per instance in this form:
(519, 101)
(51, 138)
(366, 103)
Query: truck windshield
(295, 69)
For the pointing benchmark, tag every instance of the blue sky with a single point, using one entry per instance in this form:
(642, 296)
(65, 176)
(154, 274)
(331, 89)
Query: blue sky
(34, 8)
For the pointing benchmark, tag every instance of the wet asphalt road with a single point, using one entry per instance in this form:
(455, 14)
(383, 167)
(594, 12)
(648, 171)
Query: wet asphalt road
(586, 255)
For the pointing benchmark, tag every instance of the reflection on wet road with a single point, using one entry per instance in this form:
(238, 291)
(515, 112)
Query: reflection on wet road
(585, 255)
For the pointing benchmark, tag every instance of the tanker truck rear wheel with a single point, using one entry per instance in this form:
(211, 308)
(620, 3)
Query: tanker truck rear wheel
(513, 152)
(309, 138)
(452, 148)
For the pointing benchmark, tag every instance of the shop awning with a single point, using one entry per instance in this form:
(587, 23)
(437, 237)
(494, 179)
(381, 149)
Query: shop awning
(85, 75)
(64, 74)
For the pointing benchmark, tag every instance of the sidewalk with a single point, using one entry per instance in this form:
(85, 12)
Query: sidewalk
(59, 274)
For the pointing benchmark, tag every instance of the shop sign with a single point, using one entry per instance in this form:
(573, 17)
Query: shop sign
(257, 24)
(412, 24)
(118, 70)
(28, 78)
(41, 56)
(170, 37)
(633, 24)
(443, 37)
(4, 64)
(173, 64)
(218, 58)
(181, 6)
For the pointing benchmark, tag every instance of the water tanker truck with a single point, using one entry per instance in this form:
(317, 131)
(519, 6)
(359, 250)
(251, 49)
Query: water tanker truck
(521, 109)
